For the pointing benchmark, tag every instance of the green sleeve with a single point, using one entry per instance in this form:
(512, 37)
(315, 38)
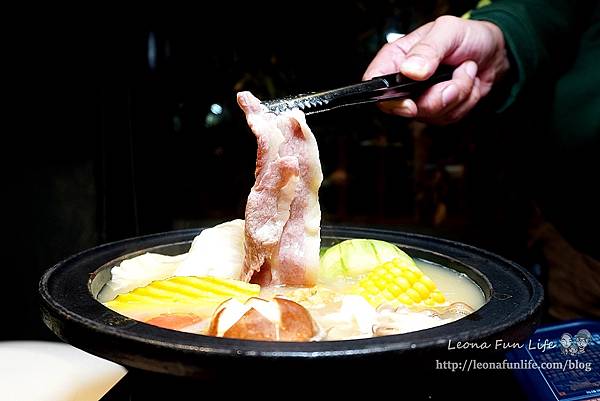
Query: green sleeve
(534, 31)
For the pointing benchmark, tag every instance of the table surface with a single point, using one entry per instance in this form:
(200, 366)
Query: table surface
(52, 371)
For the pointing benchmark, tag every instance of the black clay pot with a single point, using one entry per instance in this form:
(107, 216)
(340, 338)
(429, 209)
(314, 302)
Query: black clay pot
(69, 308)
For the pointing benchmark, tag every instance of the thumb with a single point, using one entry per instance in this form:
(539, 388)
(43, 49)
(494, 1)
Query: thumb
(426, 55)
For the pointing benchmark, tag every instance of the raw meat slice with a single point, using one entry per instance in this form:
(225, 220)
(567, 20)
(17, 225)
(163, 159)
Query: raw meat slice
(282, 232)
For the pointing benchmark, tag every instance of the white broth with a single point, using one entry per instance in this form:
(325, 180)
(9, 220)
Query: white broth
(457, 287)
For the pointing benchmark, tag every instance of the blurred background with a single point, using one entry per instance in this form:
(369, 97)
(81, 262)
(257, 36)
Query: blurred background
(125, 123)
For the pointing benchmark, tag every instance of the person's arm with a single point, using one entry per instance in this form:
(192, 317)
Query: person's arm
(535, 33)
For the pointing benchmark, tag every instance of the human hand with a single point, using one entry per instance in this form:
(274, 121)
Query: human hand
(476, 48)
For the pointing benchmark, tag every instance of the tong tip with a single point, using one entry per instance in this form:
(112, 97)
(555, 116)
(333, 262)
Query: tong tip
(307, 103)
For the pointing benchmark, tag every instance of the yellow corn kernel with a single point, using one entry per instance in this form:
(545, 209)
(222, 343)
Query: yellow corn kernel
(371, 288)
(379, 299)
(183, 291)
(414, 295)
(402, 283)
(438, 297)
(410, 276)
(395, 290)
(397, 282)
(405, 299)
(421, 289)
(428, 283)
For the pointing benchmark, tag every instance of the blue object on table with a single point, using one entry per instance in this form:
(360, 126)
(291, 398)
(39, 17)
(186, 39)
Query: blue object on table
(567, 369)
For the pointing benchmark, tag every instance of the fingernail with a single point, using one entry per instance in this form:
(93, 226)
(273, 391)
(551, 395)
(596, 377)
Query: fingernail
(415, 65)
(404, 110)
(370, 74)
(449, 94)
(471, 70)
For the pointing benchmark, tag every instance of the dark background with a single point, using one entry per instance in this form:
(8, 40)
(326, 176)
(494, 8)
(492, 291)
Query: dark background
(109, 133)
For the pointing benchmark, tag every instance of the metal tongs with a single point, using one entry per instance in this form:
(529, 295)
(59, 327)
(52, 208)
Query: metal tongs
(385, 87)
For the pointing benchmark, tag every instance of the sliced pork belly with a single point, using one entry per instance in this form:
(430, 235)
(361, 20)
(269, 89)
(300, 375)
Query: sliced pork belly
(268, 205)
(282, 232)
(296, 261)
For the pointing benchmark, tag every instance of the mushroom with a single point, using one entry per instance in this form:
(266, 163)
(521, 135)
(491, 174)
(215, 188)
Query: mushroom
(279, 319)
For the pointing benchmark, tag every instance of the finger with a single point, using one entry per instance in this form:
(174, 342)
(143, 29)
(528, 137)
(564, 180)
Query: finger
(391, 55)
(438, 99)
(387, 61)
(424, 57)
(461, 110)
(403, 108)
(444, 96)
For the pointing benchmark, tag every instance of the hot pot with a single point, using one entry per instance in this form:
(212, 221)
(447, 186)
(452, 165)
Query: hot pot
(69, 308)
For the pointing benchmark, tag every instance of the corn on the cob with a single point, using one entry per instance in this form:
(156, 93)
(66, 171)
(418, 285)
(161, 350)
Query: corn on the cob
(397, 282)
(185, 291)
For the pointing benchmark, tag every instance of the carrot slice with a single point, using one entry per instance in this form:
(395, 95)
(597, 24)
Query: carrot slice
(174, 321)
